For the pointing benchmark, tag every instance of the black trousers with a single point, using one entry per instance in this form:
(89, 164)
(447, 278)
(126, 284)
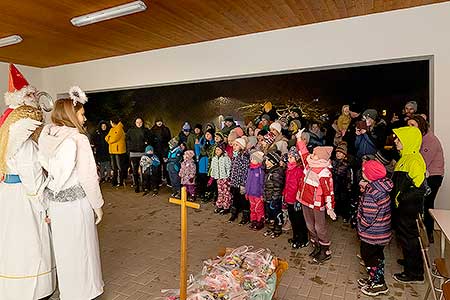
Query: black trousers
(299, 229)
(239, 201)
(342, 198)
(135, 169)
(119, 165)
(202, 184)
(151, 181)
(371, 254)
(408, 237)
(434, 182)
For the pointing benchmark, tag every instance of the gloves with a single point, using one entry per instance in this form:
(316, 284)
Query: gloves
(242, 190)
(99, 214)
(297, 206)
(331, 214)
(210, 181)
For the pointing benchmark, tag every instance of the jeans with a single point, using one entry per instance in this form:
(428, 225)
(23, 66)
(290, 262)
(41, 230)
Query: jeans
(119, 170)
(105, 169)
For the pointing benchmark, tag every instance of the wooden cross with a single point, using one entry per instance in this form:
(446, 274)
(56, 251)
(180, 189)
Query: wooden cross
(183, 261)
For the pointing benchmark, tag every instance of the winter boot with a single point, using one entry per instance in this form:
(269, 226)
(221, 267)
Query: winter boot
(316, 249)
(252, 225)
(277, 231)
(259, 225)
(270, 228)
(245, 217)
(234, 214)
(324, 255)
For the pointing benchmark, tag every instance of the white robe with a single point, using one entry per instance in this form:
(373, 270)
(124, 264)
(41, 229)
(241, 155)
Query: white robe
(67, 156)
(26, 262)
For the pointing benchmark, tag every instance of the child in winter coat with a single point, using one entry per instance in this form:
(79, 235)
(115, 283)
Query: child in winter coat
(343, 181)
(149, 165)
(239, 169)
(374, 226)
(174, 164)
(273, 190)
(294, 175)
(254, 188)
(317, 197)
(188, 172)
(220, 171)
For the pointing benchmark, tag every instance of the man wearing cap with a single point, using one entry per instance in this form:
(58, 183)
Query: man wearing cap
(373, 136)
(187, 136)
(409, 111)
(229, 125)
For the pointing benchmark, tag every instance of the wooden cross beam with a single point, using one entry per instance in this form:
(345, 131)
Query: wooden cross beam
(183, 260)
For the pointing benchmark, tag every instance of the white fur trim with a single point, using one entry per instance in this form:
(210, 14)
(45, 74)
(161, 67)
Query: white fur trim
(20, 97)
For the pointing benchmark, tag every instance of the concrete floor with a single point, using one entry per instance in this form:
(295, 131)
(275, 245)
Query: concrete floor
(140, 236)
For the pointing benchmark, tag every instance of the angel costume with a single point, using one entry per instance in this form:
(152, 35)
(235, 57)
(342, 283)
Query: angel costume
(73, 192)
(26, 265)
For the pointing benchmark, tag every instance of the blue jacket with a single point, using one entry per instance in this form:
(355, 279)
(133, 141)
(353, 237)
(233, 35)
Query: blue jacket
(202, 154)
(364, 145)
(174, 159)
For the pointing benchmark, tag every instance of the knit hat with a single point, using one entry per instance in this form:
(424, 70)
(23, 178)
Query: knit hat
(382, 157)
(242, 142)
(342, 147)
(323, 152)
(295, 125)
(222, 146)
(412, 104)
(239, 132)
(257, 156)
(274, 157)
(148, 148)
(276, 126)
(186, 126)
(199, 126)
(294, 152)
(232, 136)
(265, 117)
(228, 118)
(220, 134)
(373, 170)
(189, 154)
(306, 136)
(269, 138)
(371, 113)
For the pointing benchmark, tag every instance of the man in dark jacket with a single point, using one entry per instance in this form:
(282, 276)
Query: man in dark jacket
(101, 148)
(160, 136)
(137, 139)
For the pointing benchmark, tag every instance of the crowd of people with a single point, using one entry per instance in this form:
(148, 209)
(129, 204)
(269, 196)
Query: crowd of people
(377, 175)
(281, 170)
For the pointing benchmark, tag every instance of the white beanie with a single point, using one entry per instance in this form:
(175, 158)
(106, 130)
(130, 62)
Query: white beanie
(242, 142)
(276, 126)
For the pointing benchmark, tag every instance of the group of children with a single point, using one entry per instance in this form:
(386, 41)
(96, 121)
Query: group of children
(260, 185)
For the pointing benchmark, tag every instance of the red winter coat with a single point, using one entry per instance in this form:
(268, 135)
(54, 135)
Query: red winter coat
(316, 188)
(294, 175)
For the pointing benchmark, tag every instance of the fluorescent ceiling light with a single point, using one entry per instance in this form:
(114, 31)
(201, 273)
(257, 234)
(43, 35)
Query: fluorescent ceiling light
(10, 40)
(110, 13)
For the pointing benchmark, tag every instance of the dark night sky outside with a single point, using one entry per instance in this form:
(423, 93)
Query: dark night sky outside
(387, 86)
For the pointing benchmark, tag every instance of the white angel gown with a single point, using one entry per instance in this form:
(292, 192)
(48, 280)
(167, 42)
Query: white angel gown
(26, 264)
(73, 191)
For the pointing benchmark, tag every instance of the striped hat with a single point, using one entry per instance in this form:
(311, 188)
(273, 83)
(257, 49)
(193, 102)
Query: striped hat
(274, 157)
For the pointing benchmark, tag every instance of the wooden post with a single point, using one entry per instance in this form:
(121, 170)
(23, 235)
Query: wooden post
(183, 249)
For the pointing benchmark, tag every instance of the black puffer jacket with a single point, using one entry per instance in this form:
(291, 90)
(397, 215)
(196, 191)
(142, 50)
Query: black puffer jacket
(137, 139)
(274, 184)
(100, 144)
(239, 169)
(160, 137)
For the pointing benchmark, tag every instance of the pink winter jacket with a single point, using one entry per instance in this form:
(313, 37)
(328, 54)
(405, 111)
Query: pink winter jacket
(294, 175)
(433, 154)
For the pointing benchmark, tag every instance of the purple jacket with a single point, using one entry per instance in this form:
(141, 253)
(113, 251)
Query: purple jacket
(255, 181)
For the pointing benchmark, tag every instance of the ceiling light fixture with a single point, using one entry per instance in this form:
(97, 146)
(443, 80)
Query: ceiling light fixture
(110, 13)
(10, 40)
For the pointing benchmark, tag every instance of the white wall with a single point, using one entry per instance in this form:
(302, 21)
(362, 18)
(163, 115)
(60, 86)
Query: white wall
(420, 31)
(33, 76)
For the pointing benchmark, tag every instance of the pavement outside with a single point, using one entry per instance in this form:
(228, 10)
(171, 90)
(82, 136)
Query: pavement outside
(140, 237)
